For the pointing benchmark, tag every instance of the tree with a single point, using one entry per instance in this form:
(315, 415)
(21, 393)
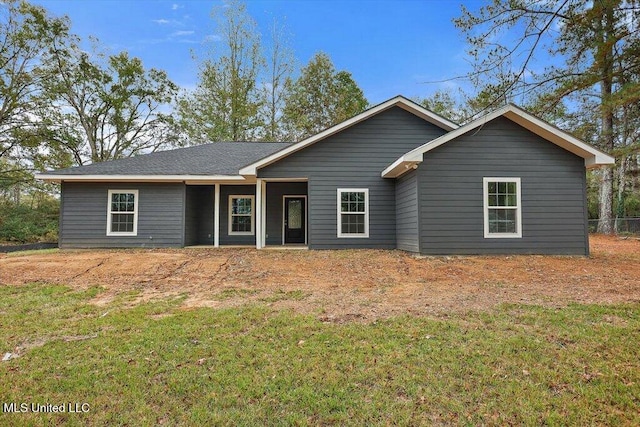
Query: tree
(25, 30)
(443, 104)
(279, 68)
(226, 102)
(101, 108)
(321, 97)
(592, 51)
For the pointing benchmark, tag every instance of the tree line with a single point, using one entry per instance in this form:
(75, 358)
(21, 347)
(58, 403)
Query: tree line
(63, 106)
(573, 63)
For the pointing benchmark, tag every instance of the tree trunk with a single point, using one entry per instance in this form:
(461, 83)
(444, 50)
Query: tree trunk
(605, 222)
(606, 55)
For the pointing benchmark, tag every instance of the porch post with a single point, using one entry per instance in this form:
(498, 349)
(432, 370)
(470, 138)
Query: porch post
(216, 216)
(258, 218)
(263, 235)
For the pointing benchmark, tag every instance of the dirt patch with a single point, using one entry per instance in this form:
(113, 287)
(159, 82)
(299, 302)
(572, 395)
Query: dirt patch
(341, 285)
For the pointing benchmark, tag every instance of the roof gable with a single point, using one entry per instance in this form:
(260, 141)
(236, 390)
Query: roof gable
(398, 101)
(592, 156)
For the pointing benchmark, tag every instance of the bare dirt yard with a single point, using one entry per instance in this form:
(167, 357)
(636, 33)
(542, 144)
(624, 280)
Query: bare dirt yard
(338, 286)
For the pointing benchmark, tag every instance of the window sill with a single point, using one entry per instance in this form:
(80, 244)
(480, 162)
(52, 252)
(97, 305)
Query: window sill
(503, 236)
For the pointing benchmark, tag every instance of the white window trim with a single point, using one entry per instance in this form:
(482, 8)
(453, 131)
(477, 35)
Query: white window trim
(135, 213)
(518, 208)
(366, 213)
(253, 215)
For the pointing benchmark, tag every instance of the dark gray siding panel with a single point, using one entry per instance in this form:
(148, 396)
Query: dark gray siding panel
(225, 192)
(84, 215)
(407, 212)
(199, 215)
(354, 158)
(553, 193)
(275, 193)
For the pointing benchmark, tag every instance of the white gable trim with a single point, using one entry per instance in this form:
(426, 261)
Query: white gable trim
(592, 156)
(398, 101)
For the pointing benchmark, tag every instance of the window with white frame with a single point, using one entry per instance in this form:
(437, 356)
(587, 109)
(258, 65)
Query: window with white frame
(353, 212)
(241, 215)
(122, 213)
(502, 208)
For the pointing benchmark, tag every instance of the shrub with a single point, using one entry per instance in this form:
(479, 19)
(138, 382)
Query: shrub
(27, 224)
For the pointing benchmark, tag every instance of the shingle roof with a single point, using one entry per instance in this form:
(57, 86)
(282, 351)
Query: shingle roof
(218, 158)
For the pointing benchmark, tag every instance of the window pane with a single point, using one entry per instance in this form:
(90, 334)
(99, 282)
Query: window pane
(123, 202)
(122, 222)
(502, 194)
(502, 220)
(352, 201)
(241, 206)
(241, 224)
(294, 217)
(352, 224)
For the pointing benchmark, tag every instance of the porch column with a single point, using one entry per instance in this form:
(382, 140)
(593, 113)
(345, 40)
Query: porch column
(216, 216)
(259, 213)
(263, 235)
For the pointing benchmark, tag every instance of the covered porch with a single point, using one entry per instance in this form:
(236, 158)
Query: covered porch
(267, 213)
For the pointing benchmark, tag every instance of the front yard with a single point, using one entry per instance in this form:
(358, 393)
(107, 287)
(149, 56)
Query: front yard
(232, 337)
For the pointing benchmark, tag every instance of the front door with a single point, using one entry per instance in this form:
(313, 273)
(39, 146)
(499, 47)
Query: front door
(294, 219)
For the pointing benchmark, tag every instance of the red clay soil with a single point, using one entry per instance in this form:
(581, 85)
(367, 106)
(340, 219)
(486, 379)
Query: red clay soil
(361, 285)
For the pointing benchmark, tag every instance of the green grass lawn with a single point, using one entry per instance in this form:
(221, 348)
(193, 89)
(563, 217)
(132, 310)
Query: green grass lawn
(158, 364)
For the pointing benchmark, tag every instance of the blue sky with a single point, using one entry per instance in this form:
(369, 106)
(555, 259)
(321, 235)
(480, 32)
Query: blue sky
(390, 47)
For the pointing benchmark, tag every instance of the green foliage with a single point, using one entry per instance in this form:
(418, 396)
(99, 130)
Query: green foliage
(29, 223)
(632, 206)
(97, 108)
(321, 97)
(225, 105)
(444, 104)
(25, 31)
(158, 364)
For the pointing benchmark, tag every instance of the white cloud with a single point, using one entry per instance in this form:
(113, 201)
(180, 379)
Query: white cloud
(182, 33)
(212, 38)
(176, 6)
(161, 21)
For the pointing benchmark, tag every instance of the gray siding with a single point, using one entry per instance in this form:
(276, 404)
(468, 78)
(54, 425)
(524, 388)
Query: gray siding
(84, 215)
(225, 192)
(275, 193)
(354, 158)
(407, 212)
(451, 193)
(199, 215)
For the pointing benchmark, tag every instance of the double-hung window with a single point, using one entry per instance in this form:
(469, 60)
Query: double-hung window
(502, 208)
(241, 215)
(122, 213)
(353, 212)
